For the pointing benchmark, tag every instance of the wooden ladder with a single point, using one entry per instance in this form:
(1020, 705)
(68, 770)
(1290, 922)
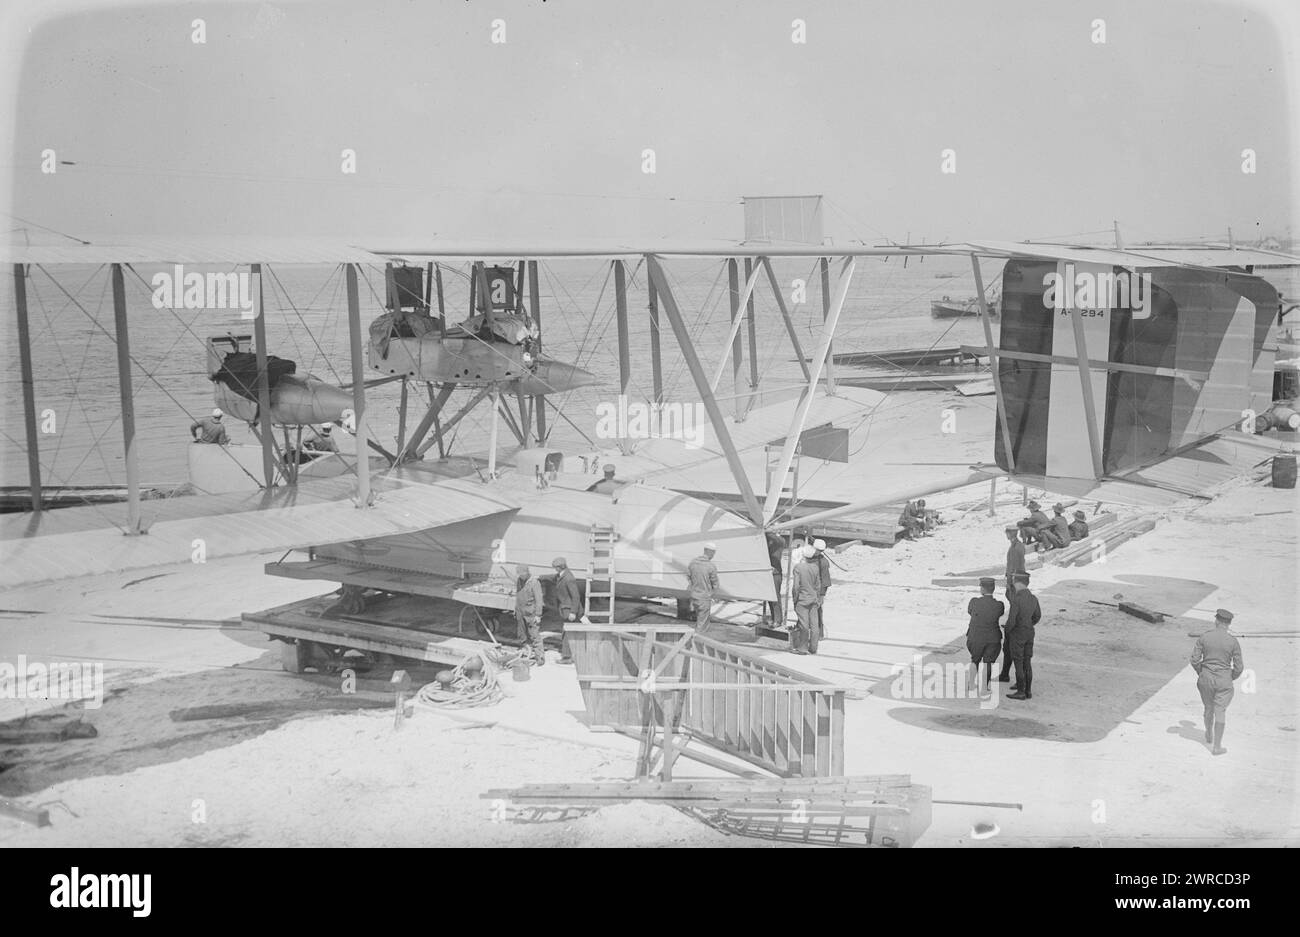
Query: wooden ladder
(600, 574)
(789, 485)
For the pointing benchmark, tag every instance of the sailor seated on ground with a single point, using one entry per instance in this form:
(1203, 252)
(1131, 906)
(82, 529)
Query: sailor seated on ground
(1079, 527)
(1032, 527)
(1058, 533)
(916, 520)
(1048, 534)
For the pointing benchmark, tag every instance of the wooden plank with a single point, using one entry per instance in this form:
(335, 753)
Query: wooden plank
(272, 708)
(733, 710)
(809, 759)
(33, 815)
(837, 734)
(767, 740)
(824, 733)
(41, 730)
(781, 734)
(728, 684)
(1099, 364)
(794, 732)
(1140, 611)
(895, 787)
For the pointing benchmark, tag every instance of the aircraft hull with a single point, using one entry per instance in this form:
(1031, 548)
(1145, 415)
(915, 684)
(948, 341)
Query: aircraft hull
(295, 401)
(659, 532)
(473, 361)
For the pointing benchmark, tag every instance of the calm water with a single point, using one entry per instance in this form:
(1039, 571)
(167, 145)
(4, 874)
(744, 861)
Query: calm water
(75, 363)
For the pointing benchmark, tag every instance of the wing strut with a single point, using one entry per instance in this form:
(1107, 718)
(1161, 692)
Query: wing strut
(364, 498)
(819, 360)
(29, 396)
(267, 431)
(785, 317)
(995, 362)
(128, 402)
(684, 344)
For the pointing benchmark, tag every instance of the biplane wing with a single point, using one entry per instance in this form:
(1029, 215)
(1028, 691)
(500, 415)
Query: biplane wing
(75, 542)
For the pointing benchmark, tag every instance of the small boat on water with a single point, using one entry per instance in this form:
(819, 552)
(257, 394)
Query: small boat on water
(947, 308)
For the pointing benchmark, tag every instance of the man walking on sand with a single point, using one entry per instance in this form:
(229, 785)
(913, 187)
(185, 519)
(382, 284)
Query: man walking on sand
(1216, 658)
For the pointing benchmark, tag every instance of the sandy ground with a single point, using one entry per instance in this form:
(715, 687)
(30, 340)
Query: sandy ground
(1108, 752)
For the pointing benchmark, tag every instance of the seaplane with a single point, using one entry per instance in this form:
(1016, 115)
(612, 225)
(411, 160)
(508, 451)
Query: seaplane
(1104, 394)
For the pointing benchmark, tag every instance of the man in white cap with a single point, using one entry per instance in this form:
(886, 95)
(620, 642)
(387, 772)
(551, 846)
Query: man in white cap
(322, 439)
(824, 571)
(805, 593)
(210, 429)
(702, 580)
(1216, 658)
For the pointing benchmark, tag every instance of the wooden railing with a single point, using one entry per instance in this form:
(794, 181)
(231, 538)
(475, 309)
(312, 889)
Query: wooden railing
(646, 678)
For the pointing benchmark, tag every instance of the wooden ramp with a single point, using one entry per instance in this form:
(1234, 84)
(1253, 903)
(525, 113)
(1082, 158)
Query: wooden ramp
(668, 685)
(311, 622)
(880, 810)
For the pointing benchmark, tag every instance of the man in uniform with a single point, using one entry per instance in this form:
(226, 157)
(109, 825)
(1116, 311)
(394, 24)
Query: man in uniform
(569, 599)
(1057, 532)
(1216, 658)
(1021, 619)
(1033, 525)
(528, 611)
(776, 556)
(805, 593)
(1015, 564)
(983, 636)
(1079, 528)
(912, 520)
(210, 429)
(607, 485)
(702, 579)
(322, 440)
(824, 571)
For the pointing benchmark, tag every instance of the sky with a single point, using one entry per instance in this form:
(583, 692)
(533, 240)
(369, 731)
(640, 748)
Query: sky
(542, 136)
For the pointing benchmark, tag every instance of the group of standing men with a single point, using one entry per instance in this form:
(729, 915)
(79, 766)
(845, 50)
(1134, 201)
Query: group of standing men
(985, 639)
(809, 582)
(530, 605)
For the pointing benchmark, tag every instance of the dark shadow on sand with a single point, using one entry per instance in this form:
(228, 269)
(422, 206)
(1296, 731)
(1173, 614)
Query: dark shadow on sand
(1094, 666)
